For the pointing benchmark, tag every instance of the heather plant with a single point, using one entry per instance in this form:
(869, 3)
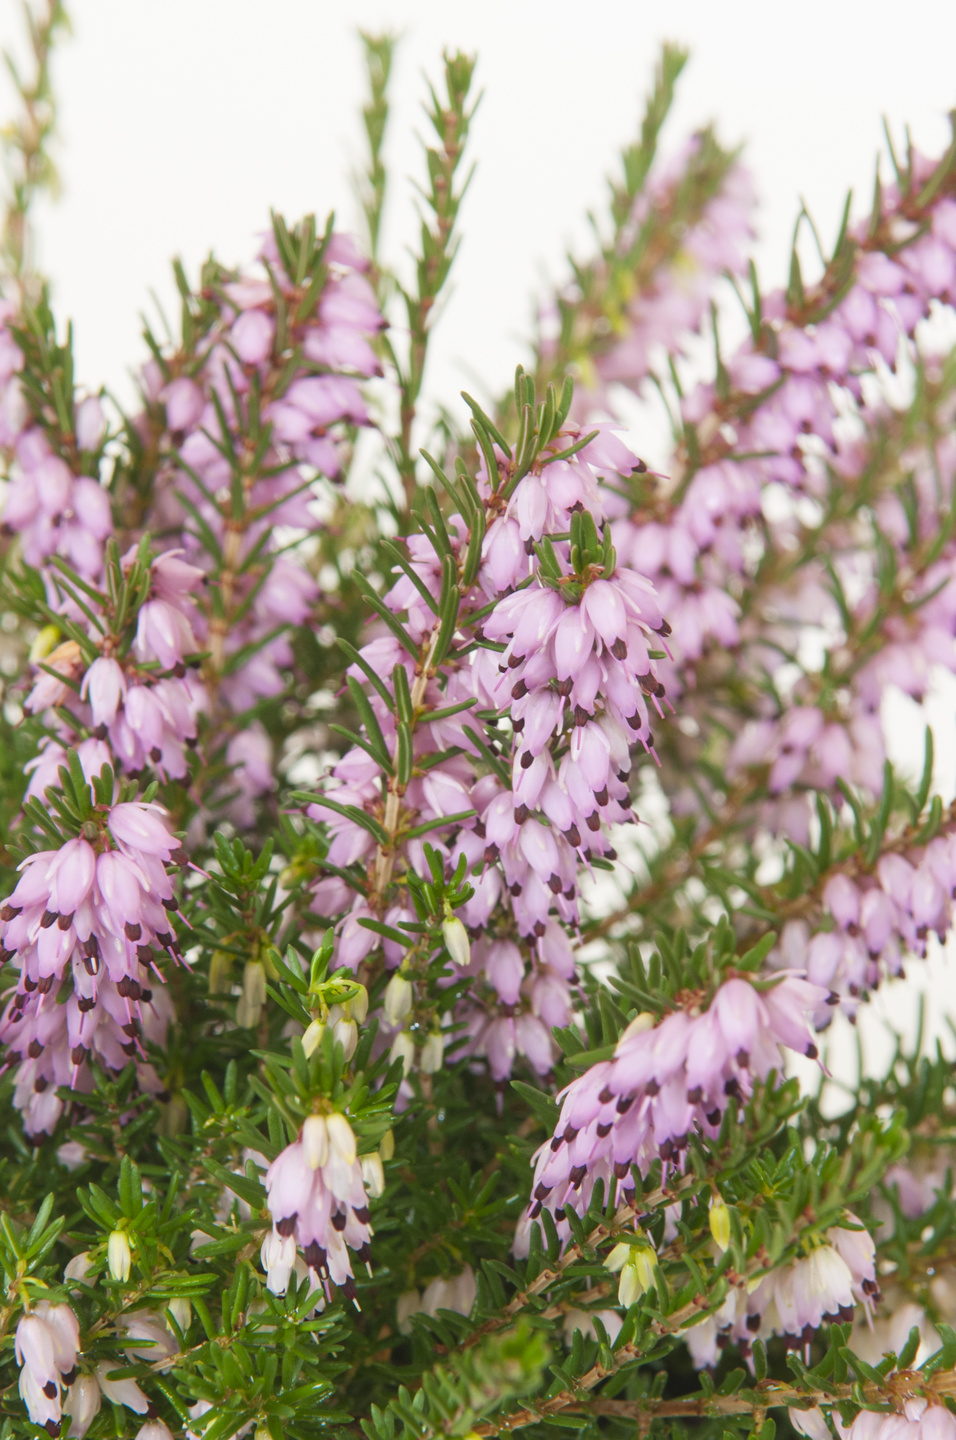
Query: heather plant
(430, 837)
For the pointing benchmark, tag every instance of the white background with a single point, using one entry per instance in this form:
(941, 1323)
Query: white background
(184, 121)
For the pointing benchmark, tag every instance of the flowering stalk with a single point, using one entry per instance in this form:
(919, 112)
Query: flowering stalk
(514, 607)
(88, 917)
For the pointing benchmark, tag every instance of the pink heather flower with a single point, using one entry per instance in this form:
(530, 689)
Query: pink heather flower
(104, 685)
(147, 720)
(163, 633)
(90, 424)
(89, 915)
(252, 336)
(184, 404)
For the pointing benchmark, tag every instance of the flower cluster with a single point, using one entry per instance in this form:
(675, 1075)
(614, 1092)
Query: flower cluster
(92, 915)
(875, 921)
(819, 1288)
(55, 502)
(318, 1203)
(53, 1387)
(259, 416)
(137, 693)
(664, 1081)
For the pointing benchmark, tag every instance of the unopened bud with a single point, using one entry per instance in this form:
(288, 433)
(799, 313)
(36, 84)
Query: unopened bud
(43, 644)
(644, 1021)
(253, 996)
(119, 1257)
(373, 1174)
(719, 1222)
(636, 1264)
(386, 1146)
(433, 1052)
(220, 965)
(346, 1033)
(630, 1286)
(315, 1141)
(408, 1304)
(403, 1048)
(312, 1038)
(456, 940)
(358, 1005)
(398, 999)
(181, 1311)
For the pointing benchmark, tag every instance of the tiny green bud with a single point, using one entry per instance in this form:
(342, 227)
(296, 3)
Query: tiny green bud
(45, 642)
(719, 1222)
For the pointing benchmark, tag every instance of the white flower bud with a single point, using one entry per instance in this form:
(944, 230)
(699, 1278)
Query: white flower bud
(312, 1038)
(386, 1146)
(315, 1141)
(119, 1257)
(181, 1311)
(90, 423)
(617, 1258)
(373, 1174)
(408, 1305)
(346, 1033)
(398, 999)
(629, 1287)
(154, 1430)
(433, 1052)
(121, 1392)
(71, 1154)
(456, 940)
(278, 1255)
(403, 1048)
(636, 1264)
